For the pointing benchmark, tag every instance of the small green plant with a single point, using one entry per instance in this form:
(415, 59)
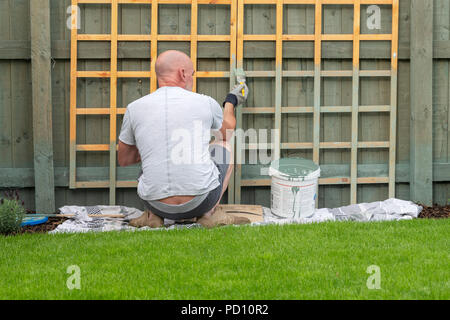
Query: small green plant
(11, 215)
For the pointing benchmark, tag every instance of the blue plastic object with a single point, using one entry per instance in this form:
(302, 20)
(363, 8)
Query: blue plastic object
(32, 221)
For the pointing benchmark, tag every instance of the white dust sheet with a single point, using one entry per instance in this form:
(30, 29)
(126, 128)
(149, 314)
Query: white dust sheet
(388, 210)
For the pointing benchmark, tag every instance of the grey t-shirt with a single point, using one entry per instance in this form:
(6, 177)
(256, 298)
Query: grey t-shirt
(172, 129)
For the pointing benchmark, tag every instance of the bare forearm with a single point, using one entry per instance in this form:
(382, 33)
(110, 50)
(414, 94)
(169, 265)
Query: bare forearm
(229, 121)
(236, 97)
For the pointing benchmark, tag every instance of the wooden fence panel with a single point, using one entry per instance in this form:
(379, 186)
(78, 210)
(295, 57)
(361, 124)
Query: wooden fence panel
(335, 94)
(15, 94)
(441, 98)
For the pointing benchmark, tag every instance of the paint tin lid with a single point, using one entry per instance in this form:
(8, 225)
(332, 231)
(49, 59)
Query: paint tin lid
(294, 168)
(30, 220)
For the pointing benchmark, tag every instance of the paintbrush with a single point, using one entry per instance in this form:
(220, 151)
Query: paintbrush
(241, 78)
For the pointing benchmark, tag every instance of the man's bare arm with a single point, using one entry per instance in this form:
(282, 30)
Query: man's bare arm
(229, 122)
(128, 155)
(236, 97)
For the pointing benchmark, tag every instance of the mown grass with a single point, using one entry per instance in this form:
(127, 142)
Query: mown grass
(318, 261)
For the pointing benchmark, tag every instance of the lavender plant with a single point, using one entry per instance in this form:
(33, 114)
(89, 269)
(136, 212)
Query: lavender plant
(12, 213)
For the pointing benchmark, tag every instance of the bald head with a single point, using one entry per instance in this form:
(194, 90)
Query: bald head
(174, 68)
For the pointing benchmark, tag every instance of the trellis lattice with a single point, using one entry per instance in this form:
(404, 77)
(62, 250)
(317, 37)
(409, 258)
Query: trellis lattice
(113, 75)
(236, 39)
(317, 74)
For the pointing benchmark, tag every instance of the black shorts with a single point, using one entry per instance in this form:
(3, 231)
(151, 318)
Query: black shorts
(222, 158)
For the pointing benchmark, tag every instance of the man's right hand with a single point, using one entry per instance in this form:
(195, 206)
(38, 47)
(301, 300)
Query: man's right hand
(237, 91)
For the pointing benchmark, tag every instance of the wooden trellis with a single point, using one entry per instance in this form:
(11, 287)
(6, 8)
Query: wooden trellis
(236, 39)
(318, 74)
(113, 74)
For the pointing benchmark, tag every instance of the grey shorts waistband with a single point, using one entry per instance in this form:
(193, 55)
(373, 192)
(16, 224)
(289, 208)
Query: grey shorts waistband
(179, 208)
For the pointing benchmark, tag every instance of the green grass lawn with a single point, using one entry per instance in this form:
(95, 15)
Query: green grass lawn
(318, 261)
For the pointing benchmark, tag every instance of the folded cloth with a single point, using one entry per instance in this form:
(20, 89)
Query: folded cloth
(78, 211)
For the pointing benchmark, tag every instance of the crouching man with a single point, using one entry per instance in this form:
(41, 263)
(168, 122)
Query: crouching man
(184, 176)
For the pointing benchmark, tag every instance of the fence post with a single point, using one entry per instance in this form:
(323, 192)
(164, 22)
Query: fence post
(42, 106)
(421, 168)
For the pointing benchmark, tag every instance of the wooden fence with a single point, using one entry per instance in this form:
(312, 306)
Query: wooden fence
(35, 100)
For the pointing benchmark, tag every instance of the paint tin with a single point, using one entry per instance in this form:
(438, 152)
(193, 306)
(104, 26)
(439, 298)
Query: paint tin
(294, 187)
